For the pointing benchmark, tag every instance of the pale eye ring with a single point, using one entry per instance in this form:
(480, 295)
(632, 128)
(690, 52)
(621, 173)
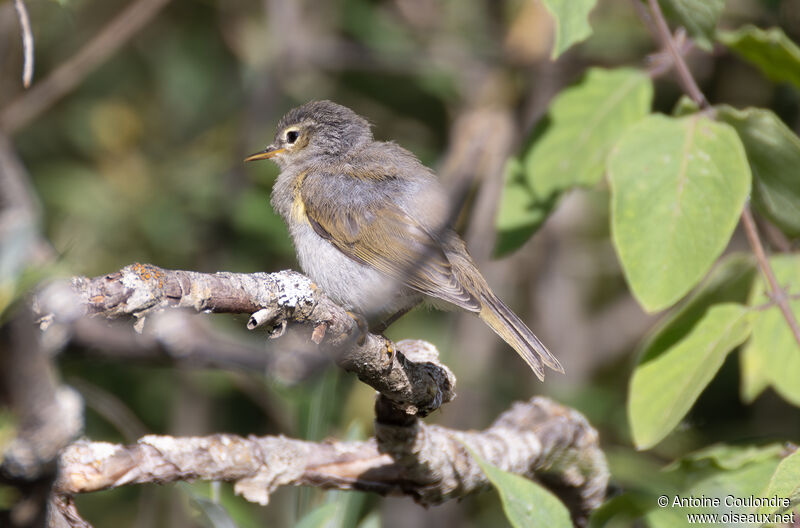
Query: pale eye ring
(291, 136)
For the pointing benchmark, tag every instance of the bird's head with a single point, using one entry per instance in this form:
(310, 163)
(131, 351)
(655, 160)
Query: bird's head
(316, 131)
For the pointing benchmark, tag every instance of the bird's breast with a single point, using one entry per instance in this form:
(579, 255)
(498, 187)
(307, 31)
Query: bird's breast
(298, 210)
(286, 198)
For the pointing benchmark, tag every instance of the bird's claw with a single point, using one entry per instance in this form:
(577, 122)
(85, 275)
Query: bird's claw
(391, 351)
(363, 327)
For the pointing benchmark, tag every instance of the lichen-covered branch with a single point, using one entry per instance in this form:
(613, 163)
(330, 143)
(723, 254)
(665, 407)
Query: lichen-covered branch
(538, 439)
(413, 378)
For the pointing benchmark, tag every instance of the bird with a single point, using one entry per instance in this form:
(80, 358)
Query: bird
(370, 225)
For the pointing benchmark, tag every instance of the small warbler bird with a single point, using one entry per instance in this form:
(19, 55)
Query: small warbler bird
(370, 225)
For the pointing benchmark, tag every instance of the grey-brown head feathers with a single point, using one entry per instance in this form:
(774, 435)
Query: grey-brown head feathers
(332, 129)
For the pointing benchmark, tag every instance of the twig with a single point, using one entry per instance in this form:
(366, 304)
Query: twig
(776, 292)
(68, 75)
(27, 42)
(62, 513)
(537, 439)
(684, 75)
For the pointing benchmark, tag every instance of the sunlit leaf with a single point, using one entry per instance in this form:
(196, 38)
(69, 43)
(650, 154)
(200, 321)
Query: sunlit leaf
(520, 212)
(727, 457)
(663, 388)
(582, 125)
(685, 106)
(773, 350)
(677, 189)
(703, 477)
(752, 376)
(773, 151)
(729, 282)
(770, 50)
(785, 483)
(572, 22)
(525, 503)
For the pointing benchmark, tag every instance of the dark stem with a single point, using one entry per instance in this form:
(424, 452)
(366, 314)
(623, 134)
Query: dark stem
(776, 293)
(685, 77)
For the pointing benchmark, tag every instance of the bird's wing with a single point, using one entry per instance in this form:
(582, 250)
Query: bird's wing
(377, 233)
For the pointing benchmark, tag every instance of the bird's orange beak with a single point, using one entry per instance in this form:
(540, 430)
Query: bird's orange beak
(265, 154)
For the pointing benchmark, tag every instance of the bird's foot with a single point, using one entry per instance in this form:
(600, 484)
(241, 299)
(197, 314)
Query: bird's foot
(391, 351)
(363, 327)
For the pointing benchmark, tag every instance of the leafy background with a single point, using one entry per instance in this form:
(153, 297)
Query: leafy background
(141, 162)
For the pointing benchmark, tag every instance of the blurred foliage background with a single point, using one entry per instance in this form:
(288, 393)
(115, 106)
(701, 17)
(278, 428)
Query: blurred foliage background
(141, 161)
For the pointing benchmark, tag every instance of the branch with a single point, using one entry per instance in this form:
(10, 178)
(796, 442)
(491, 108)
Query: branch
(777, 293)
(413, 379)
(684, 74)
(27, 42)
(537, 439)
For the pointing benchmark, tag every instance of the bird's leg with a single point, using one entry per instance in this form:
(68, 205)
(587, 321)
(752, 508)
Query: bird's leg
(363, 326)
(391, 351)
(381, 327)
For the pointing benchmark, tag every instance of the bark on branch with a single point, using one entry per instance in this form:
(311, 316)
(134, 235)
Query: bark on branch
(413, 378)
(538, 439)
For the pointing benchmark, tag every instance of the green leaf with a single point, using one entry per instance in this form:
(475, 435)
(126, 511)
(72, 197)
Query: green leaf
(752, 376)
(677, 189)
(373, 520)
(582, 125)
(770, 50)
(663, 388)
(572, 22)
(212, 514)
(704, 478)
(699, 17)
(773, 349)
(320, 517)
(730, 282)
(785, 483)
(521, 212)
(685, 106)
(622, 510)
(727, 457)
(774, 154)
(525, 503)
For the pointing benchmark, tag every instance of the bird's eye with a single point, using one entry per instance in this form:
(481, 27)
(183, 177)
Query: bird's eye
(291, 136)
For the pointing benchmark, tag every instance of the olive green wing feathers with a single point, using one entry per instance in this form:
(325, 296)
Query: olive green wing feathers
(379, 234)
(364, 221)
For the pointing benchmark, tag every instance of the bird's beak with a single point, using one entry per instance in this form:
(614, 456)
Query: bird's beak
(268, 153)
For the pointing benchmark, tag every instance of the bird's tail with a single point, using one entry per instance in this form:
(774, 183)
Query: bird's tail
(514, 332)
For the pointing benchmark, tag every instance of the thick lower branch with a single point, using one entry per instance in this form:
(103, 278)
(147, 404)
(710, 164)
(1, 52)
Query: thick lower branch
(537, 439)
